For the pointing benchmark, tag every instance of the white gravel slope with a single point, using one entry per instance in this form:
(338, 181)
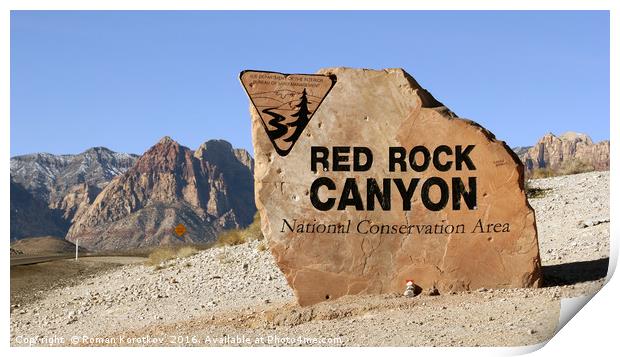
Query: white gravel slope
(134, 296)
(239, 290)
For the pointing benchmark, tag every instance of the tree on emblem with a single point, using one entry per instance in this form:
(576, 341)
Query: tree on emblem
(302, 115)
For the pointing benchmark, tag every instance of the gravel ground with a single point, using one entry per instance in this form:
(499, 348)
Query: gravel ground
(30, 282)
(236, 296)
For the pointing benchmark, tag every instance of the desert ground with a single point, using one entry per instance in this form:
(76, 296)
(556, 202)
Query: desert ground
(236, 296)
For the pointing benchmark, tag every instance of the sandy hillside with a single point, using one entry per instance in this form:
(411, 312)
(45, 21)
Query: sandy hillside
(237, 295)
(46, 245)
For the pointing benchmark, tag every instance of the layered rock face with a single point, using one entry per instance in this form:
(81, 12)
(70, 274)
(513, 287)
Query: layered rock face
(74, 201)
(558, 153)
(454, 218)
(207, 191)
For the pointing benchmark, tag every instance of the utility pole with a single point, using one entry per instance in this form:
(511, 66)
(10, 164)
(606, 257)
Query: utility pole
(77, 243)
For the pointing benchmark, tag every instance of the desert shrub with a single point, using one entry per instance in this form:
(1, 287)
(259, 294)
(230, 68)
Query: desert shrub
(160, 255)
(231, 237)
(262, 246)
(240, 236)
(541, 173)
(569, 167)
(163, 254)
(534, 192)
(186, 251)
(575, 167)
(253, 230)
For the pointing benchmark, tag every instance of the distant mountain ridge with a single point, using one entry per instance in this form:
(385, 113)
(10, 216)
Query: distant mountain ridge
(115, 200)
(45, 174)
(123, 200)
(566, 153)
(521, 150)
(58, 188)
(207, 191)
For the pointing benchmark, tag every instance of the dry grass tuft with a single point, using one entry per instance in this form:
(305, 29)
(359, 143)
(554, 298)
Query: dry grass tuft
(575, 167)
(541, 173)
(160, 255)
(186, 251)
(239, 236)
(164, 254)
(568, 168)
(231, 237)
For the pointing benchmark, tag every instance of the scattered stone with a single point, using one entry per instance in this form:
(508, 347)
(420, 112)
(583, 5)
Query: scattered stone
(592, 223)
(432, 291)
(409, 290)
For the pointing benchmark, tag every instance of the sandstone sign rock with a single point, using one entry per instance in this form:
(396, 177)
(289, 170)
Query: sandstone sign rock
(385, 185)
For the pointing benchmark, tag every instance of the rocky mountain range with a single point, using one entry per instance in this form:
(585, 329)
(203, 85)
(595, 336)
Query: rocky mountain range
(207, 190)
(48, 191)
(568, 153)
(114, 201)
(49, 176)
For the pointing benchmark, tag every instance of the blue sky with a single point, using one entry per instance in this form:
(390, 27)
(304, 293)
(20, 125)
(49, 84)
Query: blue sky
(125, 79)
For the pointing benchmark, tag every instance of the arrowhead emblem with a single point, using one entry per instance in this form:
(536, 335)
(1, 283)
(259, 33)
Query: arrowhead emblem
(285, 102)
